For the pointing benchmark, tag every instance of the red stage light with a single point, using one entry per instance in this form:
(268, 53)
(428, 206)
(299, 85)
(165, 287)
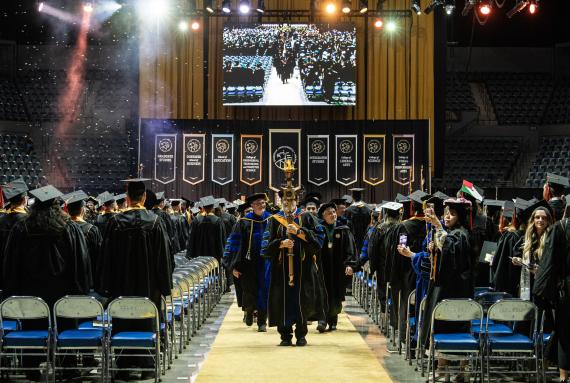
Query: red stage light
(485, 9)
(532, 8)
(379, 24)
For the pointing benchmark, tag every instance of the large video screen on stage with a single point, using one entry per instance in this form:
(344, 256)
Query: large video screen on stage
(289, 64)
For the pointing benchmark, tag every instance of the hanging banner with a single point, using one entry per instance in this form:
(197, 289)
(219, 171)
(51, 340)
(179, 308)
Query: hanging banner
(403, 159)
(346, 159)
(251, 153)
(222, 158)
(374, 161)
(284, 144)
(165, 158)
(318, 159)
(194, 158)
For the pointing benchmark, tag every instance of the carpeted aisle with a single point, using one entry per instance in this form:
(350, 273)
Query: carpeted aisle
(241, 354)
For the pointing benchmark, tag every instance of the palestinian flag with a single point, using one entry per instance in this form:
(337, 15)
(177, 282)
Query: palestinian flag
(469, 188)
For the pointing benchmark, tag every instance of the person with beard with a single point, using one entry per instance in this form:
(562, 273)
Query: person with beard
(46, 256)
(135, 261)
(16, 193)
(76, 209)
(207, 233)
(553, 193)
(303, 300)
(358, 216)
(108, 207)
(338, 256)
(451, 272)
(242, 258)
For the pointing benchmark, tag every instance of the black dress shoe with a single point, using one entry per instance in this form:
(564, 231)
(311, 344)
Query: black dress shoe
(301, 342)
(249, 318)
(321, 327)
(286, 343)
(262, 328)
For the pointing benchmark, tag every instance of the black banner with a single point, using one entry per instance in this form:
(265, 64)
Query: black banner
(165, 158)
(284, 144)
(318, 159)
(194, 157)
(251, 153)
(346, 159)
(374, 162)
(222, 158)
(403, 168)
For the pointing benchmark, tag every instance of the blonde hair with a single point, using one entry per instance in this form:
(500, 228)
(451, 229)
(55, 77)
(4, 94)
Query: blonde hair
(533, 244)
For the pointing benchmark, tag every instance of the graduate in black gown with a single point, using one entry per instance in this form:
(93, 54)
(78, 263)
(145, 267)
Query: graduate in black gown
(338, 256)
(15, 193)
(76, 209)
(358, 216)
(153, 204)
(551, 291)
(553, 192)
(228, 219)
(182, 221)
(108, 207)
(304, 301)
(207, 233)
(46, 256)
(135, 261)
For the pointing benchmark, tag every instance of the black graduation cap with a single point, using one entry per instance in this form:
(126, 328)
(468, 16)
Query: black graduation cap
(311, 200)
(527, 211)
(93, 199)
(120, 198)
(221, 201)
(15, 188)
(208, 201)
(136, 185)
(493, 203)
(194, 210)
(198, 205)
(231, 207)
(339, 201)
(175, 201)
(556, 180)
(324, 207)
(75, 199)
(254, 197)
(46, 194)
(356, 193)
(508, 209)
(419, 196)
(243, 207)
(347, 199)
(314, 195)
(394, 206)
(402, 198)
(437, 200)
(160, 196)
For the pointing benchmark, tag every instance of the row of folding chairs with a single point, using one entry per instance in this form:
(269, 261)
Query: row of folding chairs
(76, 333)
(500, 335)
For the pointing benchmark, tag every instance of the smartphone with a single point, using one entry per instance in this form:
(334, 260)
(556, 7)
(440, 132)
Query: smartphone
(403, 239)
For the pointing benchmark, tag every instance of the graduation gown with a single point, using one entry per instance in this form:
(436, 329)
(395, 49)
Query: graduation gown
(101, 221)
(207, 237)
(229, 222)
(483, 230)
(358, 216)
(453, 277)
(305, 300)
(506, 276)
(243, 253)
(338, 251)
(135, 257)
(94, 240)
(557, 205)
(170, 229)
(7, 221)
(180, 220)
(45, 264)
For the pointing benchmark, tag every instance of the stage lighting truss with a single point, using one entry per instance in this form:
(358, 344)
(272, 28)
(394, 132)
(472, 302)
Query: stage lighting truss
(416, 7)
(260, 6)
(226, 6)
(363, 5)
(345, 6)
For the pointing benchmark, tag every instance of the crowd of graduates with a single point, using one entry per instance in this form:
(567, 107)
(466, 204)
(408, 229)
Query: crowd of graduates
(291, 268)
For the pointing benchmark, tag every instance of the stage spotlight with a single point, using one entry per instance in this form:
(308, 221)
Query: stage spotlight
(519, 6)
(391, 26)
(195, 25)
(346, 6)
(330, 8)
(244, 6)
(226, 6)
(41, 6)
(183, 26)
(533, 7)
(154, 9)
(379, 24)
(485, 8)
(416, 7)
(431, 6)
(363, 6)
(260, 6)
(449, 7)
(87, 7)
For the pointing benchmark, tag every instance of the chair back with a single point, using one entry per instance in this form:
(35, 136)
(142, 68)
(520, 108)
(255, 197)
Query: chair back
(488, 298)
(24, 308)
(132, 308)
(512, 310)
(457, 310)
(78, 306)
(412, 299)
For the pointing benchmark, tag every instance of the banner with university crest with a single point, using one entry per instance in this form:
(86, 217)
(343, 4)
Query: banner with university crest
(284, 144)
(251, 154)
(318, 159)
(346, 159)
(222, 158)
(403, 158)
(374, 161)
(194, 157)
(165, 158)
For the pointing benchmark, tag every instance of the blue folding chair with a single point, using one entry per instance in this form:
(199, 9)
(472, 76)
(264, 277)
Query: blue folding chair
(456, 346)
(18, 344)
(515, 347)
(118, 344)
(82, 343)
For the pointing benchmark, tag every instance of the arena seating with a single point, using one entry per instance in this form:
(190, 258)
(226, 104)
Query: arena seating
(553, 157)
(11, 105)
(93, 164)
(458, 95)
(40, 90)
(18, 159)
(558, 111)
(482, 160)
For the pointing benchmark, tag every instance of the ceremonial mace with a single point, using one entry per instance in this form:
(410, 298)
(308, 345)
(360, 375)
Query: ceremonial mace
(288, 198)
